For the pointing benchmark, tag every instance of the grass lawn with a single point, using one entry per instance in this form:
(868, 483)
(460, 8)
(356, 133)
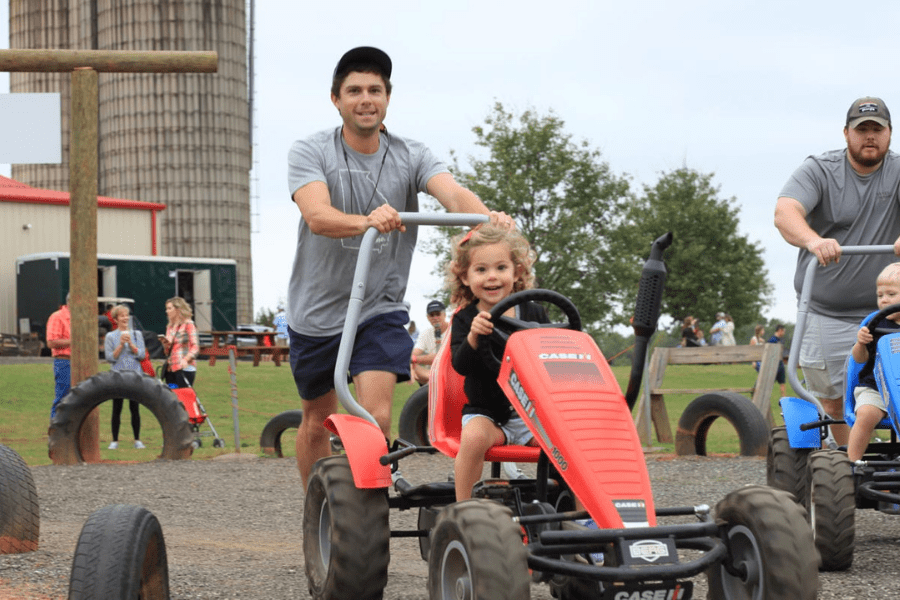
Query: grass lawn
(26, 393)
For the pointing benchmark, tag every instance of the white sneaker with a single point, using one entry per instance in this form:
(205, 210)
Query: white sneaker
(114, 446)
(139, 445)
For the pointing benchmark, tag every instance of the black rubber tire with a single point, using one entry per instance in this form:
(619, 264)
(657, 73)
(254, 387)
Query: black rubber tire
(699, 415)
(20, 516)
(831, 503)
(413, 423)
(476, 544)
(767, 533)
(270, 438)
(150, 392)
(121, 553)
(346, 535)
(786, 466)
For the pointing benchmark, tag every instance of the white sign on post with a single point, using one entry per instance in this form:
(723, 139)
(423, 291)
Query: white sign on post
(32, 131)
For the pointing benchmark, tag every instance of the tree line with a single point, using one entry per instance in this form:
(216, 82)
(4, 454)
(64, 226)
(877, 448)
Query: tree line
(591, 229)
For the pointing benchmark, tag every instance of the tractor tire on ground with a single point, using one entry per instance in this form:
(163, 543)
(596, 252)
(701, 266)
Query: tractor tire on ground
(831, 503)
(477, 553)
(121, 553)
(414, 418)
(20, 516)
(698, 417)
(346, 535)
(768, 536)
(270, 438)
(786, 466)
(150, 392)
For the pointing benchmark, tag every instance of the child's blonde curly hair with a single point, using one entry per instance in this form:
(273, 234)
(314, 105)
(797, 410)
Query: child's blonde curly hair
(483, 235)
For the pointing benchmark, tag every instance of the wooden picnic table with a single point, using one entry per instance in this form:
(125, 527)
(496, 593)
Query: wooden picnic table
(265, 345)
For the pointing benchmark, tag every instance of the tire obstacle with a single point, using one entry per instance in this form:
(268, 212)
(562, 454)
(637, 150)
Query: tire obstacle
(150, 392)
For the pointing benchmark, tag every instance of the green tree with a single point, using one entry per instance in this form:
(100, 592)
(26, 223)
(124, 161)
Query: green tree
(564, 199)
(711, 266)
(265, 316)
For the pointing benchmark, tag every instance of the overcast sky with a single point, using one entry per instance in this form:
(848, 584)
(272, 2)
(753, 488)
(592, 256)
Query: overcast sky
(744, 90)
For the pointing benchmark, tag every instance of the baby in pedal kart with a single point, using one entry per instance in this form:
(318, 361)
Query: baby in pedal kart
(870, 407)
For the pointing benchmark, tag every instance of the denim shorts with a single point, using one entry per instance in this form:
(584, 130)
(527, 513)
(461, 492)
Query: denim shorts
(382, 344)
(515, 430)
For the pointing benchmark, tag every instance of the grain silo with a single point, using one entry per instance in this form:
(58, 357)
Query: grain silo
(182, 140)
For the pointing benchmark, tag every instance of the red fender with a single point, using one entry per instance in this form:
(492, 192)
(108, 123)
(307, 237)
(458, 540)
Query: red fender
(364, 444)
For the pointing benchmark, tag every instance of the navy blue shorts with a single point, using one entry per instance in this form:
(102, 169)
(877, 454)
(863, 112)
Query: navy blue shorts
(382, 344)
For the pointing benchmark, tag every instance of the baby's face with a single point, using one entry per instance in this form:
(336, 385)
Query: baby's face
(888, 293)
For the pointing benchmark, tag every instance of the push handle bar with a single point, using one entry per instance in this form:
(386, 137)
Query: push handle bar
(803, 311)
(358, 292)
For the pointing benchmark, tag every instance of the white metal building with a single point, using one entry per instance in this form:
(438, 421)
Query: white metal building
(34, 220)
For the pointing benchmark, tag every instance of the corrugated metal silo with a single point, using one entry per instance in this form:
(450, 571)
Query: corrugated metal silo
(179, 139)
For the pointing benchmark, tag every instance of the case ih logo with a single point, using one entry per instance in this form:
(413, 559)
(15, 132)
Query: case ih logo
(563, 356)
(521, 396)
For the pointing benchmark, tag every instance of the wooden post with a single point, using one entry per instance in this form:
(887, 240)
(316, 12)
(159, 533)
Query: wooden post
(83, 244)
(84, 66)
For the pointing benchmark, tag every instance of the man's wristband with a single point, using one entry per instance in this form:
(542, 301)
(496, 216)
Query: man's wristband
(415, 359)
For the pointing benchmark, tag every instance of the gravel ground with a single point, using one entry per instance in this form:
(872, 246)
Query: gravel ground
(232, 526)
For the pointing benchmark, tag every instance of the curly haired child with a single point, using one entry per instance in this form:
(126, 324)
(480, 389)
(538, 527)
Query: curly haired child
(489, 263)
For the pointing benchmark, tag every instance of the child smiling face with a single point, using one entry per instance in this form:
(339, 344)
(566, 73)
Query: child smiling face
(491, 274)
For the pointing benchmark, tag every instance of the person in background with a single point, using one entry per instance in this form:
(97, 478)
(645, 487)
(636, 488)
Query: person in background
(691, 335)
(759, 337)
(429, 341)
(717, 331)
(845, 197)
(776, 339)
(59, 340)
(181, 343)
(124, 348)
(281, 325)
(728, 332)
(413, 332)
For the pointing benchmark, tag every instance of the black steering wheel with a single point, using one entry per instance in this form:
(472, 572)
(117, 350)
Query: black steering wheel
(879, 316)
(506, 326)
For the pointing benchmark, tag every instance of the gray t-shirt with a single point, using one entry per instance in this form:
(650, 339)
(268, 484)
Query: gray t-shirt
(319, 289)
(855, 210)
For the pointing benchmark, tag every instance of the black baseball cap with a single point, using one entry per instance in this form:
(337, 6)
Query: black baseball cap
(868, 109)
(365, 55)
(435, 306)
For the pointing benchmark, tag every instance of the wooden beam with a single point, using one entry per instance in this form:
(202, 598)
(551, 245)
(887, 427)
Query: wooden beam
(108, 61)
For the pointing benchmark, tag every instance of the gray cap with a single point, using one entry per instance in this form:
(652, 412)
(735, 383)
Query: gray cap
(868, 109)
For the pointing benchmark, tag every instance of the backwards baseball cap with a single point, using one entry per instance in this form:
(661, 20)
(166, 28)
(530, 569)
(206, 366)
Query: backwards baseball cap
(365, 55)
(435, 306)
(868, 109)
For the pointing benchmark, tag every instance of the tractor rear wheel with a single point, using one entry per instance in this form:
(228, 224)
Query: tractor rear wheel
(346, 535)
(786, 466)
(832, 507)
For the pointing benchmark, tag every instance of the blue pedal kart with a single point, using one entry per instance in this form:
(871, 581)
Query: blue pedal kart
(803, 457)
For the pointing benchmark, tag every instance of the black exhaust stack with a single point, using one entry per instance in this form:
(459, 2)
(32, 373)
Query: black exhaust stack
(646, 312)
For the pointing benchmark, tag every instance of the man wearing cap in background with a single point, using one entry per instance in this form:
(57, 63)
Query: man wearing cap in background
(346, 180)
(846, 197)
(429, 341)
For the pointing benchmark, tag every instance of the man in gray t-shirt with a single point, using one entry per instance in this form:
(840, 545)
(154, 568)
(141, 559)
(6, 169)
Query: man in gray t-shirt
(346, 180)
(843, 197)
